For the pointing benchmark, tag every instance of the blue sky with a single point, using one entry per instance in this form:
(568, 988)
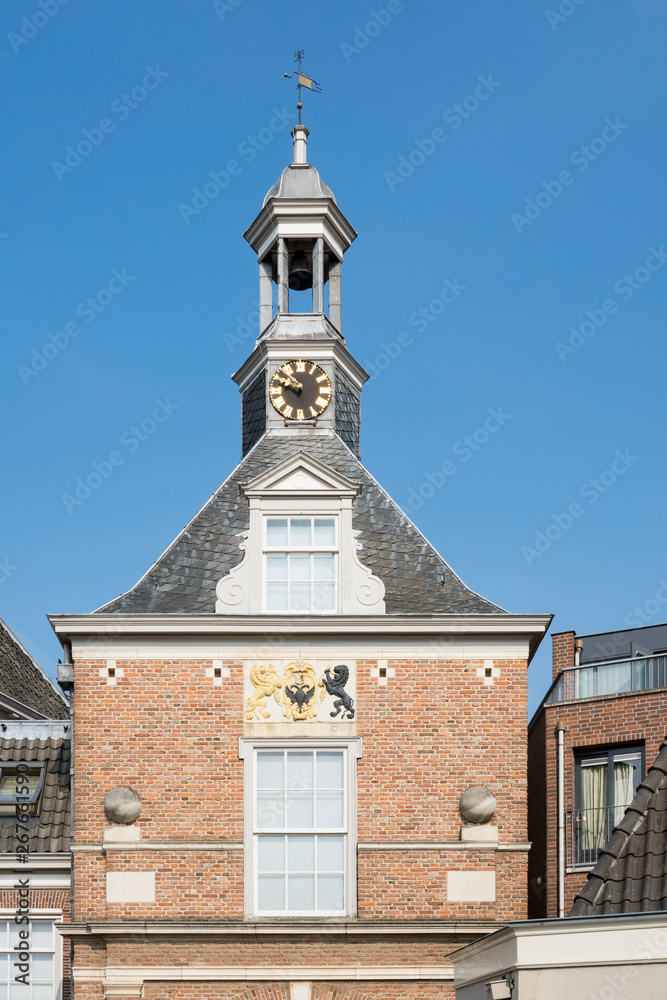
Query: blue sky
(515, 151)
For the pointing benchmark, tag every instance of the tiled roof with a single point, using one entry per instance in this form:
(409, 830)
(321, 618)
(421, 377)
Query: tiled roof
(24, 684)
(416, 578)
(49, 743)
(631, 874)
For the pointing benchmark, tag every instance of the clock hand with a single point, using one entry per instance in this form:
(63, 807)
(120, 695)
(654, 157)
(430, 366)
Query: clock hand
(290, 382)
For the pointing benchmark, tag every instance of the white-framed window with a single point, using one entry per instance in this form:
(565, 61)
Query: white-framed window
(45, 958)
(300, 564)
(300, 827)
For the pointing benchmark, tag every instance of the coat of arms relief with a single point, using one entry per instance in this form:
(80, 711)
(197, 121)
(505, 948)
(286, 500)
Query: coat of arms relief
(299, 692)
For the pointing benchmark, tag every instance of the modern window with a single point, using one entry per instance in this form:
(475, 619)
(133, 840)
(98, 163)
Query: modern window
(301, 830)
(20, 783)
(300, 564)
(606, 782)
(45, 966)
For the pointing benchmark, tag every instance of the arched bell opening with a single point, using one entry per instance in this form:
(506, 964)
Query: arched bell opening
(306, 276)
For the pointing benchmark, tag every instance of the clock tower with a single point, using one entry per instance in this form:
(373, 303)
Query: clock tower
(300, 375)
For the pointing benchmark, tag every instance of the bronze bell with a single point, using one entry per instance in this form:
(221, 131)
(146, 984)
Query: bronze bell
(300, 272)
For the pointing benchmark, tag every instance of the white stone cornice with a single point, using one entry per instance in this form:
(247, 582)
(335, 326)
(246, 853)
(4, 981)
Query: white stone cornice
(121, 981)
(254, 929)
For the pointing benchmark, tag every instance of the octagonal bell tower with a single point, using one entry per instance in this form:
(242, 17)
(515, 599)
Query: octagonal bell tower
(300, 237)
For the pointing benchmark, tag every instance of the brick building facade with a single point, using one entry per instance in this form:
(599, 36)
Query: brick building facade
(609, 701)
(296, 696)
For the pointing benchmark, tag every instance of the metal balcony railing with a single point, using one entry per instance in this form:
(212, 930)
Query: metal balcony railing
(587, 831)
(614, 677)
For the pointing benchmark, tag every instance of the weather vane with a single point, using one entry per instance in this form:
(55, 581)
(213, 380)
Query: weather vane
(302, 80)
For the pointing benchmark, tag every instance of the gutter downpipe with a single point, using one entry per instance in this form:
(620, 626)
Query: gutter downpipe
(560, 729)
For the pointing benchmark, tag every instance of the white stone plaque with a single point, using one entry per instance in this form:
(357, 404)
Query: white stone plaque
(130, 887)
(471, 887)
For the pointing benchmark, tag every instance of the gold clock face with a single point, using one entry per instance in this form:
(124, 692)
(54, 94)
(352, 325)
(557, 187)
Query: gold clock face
(300, 390)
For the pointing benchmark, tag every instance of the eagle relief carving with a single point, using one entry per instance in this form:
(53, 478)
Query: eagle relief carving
(299, 692)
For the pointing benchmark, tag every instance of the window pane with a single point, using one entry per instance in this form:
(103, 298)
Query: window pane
(301, 853)
(330, 853)
(17, 991)
(323, 597)
(276, 567)
(42, 991)
(330, 770)
(325, 532)
(299, 597)
(330, 892)
(299, 809)
(299, 566)
(276, 597)
(4, 967)
(323, 566)
(271, 854)
(271, 892)
(329, 809)
(301, 892)
(3, 991)
(3, 933)
(41, 966)
(270, 807)
(276, 532)
(41, 934)
(300, 770)
(10, 787)
(269, 769)
(300, 531)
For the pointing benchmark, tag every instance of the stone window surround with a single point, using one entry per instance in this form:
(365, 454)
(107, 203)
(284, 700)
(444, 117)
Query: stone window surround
(300, 486)
(248, 747)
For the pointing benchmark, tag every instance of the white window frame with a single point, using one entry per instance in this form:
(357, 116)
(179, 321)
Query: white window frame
(301, 550)
(54, 917)
(248, 748)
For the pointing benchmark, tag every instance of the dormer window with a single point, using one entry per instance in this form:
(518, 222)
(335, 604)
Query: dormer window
(20, 785)
(300, 564)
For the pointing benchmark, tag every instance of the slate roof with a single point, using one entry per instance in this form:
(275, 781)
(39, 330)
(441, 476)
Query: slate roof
(49, 831)
(631, 873)
(24, 684)
(416, 578)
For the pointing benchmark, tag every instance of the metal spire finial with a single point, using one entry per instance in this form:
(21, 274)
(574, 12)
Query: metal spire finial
(302, 80)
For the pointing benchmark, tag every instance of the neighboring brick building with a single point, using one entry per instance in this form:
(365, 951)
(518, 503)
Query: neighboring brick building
(609, 700)
(299, 690)
(34, 827)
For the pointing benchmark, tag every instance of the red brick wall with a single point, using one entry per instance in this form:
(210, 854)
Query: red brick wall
(433, 731)
(562, 652)
(599, 722)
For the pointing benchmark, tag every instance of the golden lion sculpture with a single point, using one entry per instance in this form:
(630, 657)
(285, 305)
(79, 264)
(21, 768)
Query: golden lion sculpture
(266, 682)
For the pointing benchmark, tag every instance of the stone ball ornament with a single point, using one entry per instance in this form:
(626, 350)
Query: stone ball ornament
(122, 805)
(477, 804)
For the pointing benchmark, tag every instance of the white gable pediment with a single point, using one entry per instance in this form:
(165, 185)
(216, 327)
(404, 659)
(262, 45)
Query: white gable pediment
(300, 475)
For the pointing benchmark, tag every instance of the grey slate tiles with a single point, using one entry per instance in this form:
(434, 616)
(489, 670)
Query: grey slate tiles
(631, 873)
(416, 578)
(22, 681)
